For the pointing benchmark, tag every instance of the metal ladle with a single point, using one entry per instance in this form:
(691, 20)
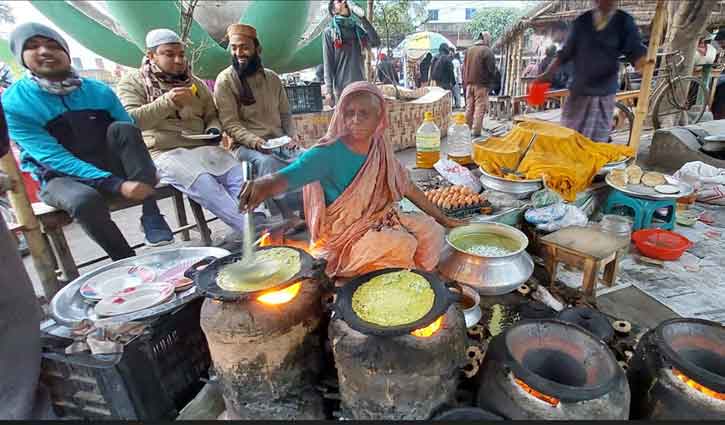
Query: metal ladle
(249, 269)
(515, 171)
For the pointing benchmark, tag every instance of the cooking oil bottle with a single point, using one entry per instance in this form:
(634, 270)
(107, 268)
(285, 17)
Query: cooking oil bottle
(459, 140)
(427, 143)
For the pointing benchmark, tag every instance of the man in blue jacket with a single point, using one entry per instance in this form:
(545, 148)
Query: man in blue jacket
(77, 140)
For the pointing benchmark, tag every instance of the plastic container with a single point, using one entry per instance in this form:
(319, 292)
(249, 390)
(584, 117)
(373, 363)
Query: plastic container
(304, 98)
(537, 93)
(459, 141)
(158, 373)
(427, 143)
(661, 244)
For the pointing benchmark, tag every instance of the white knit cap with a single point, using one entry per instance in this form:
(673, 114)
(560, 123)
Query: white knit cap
(160, 36)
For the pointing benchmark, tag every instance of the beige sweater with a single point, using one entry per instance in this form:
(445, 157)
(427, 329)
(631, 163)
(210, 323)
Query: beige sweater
(268, 118)
(161, 122)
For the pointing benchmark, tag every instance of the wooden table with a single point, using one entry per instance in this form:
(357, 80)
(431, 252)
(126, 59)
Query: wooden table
(585, 248)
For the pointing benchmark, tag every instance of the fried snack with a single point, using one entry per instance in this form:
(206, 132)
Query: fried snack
(618, 178)
(634, 174)
(652, 179)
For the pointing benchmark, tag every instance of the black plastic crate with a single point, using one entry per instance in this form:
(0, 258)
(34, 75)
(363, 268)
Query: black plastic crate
(156, 376)
(305, 98)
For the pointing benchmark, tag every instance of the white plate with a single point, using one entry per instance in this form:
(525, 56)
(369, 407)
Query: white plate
(175, 274)
(115, 280)
(276, 143)
(667, 189)
(199, 136)
(135, 299)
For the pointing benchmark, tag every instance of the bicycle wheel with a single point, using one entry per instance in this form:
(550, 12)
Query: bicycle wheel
(684, 99)
(622, 120)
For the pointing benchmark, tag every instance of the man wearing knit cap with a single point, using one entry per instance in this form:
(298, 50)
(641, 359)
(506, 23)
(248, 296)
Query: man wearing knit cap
(176, 112)
(253, 109)
(78, 142)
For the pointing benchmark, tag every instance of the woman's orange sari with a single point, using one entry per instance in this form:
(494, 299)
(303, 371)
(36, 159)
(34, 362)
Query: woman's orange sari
(362, 230)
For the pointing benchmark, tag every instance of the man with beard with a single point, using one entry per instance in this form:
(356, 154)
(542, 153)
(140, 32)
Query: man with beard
(253, 108)
(176, 112)
(78, 142)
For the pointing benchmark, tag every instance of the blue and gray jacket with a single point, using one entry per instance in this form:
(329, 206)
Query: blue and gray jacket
(63, 135)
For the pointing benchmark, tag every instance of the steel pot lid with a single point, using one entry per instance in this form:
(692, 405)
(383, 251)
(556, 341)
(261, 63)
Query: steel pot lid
(715, 138)
(343, 310)
(206, 278)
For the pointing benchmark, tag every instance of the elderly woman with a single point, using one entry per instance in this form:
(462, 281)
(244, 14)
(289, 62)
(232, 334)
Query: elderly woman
(352, 182)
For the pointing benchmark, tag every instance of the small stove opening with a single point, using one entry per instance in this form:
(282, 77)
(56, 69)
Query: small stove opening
(555, 366)
(704, 359)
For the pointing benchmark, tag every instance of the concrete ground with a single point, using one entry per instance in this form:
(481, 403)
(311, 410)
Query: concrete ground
(629, 303)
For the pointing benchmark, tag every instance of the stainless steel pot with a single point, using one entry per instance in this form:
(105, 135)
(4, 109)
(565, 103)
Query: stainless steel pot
(488, 275)
(472, 315)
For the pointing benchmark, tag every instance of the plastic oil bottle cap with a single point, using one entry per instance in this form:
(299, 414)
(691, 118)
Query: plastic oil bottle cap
(459, 119)
(428, 116)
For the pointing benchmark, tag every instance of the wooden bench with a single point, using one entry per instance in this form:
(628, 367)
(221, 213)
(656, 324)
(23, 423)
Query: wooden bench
(559, 97)
(52, 221)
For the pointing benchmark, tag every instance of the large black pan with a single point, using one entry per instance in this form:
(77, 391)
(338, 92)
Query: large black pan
(205, 274)
(343, 310)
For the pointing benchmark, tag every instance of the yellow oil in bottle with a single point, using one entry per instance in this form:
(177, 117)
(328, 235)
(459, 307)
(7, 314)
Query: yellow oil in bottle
(427, 143)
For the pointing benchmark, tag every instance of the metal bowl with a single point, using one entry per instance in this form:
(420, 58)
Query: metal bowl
(488, 275)
(69, 308)
(520, 189)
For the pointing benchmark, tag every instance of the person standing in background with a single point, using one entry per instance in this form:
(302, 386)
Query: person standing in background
(425, 65)
(343, 44)
(21, 396)
(386, 70)
(442, 69)
(459, 80)
(596, 41)
(479, 75)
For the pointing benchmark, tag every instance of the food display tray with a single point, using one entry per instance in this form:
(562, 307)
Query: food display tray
(647, 192)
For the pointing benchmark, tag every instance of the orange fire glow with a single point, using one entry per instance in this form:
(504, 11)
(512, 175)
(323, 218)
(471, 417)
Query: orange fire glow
(429, 330)
(701, 388)
(553, 401)
(268, 239)
(265, 240)
(283, 296)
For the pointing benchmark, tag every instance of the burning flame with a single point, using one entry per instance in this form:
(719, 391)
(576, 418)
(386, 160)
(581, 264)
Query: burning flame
(266, 239)
(429, 330)
(701, 388)
(553, 401)
(283, 296)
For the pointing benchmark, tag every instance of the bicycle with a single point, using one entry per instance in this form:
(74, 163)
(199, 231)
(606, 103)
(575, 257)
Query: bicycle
(675, 95)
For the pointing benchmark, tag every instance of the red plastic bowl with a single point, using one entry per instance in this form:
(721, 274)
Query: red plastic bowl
(537, 93)
(661, 244)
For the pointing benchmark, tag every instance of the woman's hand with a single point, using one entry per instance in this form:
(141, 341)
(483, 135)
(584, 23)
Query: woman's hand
(259, 190)
(249, 197)
(453, 222)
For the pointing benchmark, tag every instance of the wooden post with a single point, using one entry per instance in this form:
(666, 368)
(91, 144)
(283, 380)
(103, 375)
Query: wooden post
(40, 251)
(509, 62)
(369, 53)
(643, 100)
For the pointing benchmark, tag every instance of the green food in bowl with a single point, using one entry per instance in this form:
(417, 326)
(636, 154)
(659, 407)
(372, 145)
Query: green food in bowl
(486, 244)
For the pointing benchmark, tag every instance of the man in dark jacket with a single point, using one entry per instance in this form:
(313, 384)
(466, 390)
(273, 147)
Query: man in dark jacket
(386, 70)
(443, 73)
(424, 68)
(479, 71)
(596, 41)
(76, 139)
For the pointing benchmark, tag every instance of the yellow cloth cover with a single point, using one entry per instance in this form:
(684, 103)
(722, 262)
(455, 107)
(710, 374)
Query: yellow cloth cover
(565, 159)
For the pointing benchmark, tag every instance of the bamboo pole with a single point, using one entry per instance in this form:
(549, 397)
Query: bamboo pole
(40, 251)
(369, 53)
(647, 72)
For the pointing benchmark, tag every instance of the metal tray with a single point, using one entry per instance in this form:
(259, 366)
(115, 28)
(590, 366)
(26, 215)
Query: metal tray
(646, 192)
(69, 308)
(519, 188)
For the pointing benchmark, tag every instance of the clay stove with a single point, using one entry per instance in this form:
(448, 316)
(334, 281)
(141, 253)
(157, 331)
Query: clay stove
(678, 371)
(548, 369)
(266, 350)
(404, 377)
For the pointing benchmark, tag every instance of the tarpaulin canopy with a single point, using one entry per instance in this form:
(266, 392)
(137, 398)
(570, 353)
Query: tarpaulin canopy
(420, 43)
